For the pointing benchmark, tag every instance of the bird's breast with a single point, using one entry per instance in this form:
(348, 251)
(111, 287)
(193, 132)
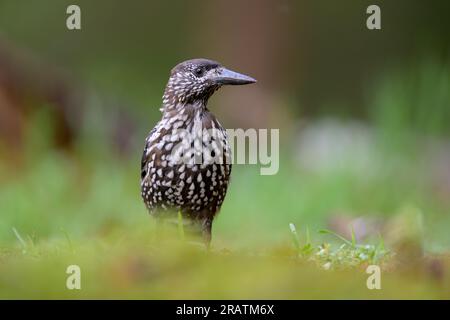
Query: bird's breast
(187, 164)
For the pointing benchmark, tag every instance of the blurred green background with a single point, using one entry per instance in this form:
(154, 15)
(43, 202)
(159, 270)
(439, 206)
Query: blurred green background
(364, 119)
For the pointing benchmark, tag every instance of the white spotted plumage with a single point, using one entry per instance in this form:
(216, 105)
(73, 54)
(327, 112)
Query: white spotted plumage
(179, 184)
(186, 163)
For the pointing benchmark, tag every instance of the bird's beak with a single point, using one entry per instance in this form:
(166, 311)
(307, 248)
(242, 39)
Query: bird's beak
(234, 78)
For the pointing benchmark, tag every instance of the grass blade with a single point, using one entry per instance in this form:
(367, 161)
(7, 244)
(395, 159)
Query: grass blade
(308, 237)
(295, 238)
(353, 237)
(19, 237)
(326, 231)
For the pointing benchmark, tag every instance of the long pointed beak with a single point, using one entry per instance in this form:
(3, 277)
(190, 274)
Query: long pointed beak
(233, 78)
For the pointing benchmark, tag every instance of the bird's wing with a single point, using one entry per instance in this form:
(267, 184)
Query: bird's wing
(145, 154)
(151, 151)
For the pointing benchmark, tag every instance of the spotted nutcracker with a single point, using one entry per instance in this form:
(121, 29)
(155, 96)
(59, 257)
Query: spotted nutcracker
(186, 164)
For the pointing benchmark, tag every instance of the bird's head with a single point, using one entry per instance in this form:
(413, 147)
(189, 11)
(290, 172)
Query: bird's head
(196, 80)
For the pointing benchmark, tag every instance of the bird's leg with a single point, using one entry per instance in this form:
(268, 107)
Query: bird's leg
(206, 231)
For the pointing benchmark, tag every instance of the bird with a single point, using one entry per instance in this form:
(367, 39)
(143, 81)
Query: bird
(186, 162)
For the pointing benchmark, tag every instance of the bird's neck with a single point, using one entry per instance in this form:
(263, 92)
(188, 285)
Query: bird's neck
(184, 116)
(190, 108)
(175, 100)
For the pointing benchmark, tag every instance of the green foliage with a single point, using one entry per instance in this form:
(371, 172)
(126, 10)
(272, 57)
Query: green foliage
(350, 253)
(346, 255)
(302, 250)
(413, 102)
(132, 263)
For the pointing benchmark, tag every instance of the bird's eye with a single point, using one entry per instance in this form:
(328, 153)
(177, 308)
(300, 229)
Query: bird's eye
(198, 72)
